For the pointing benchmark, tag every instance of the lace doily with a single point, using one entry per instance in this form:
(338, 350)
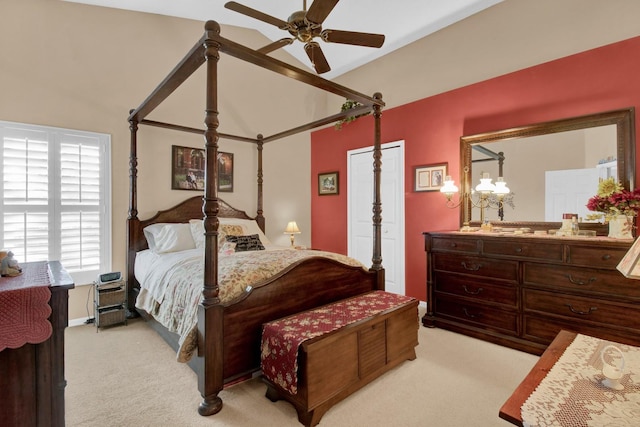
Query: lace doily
(572, 393)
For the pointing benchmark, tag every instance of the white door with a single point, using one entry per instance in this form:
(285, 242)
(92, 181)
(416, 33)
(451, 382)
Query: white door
(360, 210)
(568, 191)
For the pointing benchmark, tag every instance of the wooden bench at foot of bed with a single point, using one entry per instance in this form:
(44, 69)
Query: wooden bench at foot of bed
(316, 358)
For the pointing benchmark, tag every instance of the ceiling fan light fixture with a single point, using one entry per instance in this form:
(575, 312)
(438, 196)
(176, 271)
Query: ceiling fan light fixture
(306, 25)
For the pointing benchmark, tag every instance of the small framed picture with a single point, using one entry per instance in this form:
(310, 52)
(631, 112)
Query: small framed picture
(429, 177)
(187, 168)
(327, 183)
(225, 172)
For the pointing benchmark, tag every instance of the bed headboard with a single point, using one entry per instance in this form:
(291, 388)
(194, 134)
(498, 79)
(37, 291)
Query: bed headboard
(182, 212)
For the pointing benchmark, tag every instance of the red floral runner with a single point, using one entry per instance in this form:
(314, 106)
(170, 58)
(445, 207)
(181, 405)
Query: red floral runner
(24, 306)
(282, 338)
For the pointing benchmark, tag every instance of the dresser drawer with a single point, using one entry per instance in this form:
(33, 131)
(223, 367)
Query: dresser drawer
(487, 317)
(607, 283)
(484, 267)
(585, 309)
(470, 287)
(544, 329)
(456, 245)
(596, 257)
(524, 248)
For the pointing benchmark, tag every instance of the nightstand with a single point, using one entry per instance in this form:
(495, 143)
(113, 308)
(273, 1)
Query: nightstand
(110, 304)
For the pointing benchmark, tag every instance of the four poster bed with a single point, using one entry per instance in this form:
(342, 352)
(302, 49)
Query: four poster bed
(227, 328)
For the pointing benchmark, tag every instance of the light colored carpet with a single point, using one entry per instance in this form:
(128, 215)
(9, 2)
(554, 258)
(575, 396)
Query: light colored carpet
(128, 376)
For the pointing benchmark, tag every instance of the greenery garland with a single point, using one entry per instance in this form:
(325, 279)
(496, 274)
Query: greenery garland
(349, 104)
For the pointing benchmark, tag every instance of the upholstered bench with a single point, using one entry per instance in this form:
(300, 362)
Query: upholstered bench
(316, 358)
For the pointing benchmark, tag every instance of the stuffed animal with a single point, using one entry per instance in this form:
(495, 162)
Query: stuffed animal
(9, 266)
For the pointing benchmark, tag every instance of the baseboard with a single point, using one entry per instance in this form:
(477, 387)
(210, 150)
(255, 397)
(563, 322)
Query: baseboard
(79, 322)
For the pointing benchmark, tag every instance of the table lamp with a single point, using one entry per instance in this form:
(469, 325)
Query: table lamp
(292, 228)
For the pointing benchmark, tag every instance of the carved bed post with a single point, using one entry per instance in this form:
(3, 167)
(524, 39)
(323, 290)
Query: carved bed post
(210, 376)
(132, 219)
(377, 202)
(259, 216)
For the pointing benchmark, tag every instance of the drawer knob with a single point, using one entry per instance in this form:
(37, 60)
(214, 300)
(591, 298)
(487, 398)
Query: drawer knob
(581, 282)
(471, 267)
(606, 257)
(582, 313)
(476, 292)
(519, 250)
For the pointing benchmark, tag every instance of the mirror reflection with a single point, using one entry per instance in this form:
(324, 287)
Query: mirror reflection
(547, 175)
(551, 168)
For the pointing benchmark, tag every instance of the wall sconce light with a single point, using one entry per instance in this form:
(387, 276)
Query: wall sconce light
(485, 189)
(292, 228)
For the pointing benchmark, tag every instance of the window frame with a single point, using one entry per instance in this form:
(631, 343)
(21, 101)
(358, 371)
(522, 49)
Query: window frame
(57, 208)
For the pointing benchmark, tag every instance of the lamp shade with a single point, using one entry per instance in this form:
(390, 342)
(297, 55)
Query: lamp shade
(501, 187)
(292, 228)
(485, 186)
(449, 187)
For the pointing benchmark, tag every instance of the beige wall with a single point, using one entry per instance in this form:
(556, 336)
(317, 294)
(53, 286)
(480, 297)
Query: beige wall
(84, 67)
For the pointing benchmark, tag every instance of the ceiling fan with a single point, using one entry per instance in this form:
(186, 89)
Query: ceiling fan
(305, 25)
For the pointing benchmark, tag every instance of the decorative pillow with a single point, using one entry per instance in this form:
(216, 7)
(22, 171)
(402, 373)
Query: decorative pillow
(172, 238)
(249, 226)
(246, 243)
(228, 230)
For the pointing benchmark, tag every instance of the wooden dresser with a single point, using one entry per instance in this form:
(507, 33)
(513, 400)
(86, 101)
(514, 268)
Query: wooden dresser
(32, 378)
(521, 290)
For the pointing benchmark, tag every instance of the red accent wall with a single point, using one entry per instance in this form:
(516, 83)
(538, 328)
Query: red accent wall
(602, 79)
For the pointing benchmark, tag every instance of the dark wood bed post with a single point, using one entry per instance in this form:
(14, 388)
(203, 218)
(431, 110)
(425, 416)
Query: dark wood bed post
(132, 218)
(377, 202)
(259, 216)
(210, 312)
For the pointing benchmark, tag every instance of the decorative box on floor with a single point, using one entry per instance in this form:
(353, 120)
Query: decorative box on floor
(316, 358)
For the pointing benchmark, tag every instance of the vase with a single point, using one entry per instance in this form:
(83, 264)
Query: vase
(620, 227)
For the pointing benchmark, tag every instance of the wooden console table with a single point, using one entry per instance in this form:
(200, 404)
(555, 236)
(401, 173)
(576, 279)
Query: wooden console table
(32, 379)
(510, 411)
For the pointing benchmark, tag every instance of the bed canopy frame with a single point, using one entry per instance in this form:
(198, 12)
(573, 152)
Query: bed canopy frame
(206, 52)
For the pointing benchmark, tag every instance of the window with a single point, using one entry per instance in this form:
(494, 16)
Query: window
(56, 198)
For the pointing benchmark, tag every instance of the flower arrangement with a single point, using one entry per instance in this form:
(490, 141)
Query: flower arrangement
(614, 200)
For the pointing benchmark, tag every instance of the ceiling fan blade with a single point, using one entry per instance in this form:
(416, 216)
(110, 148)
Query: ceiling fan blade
(237, 7)
(314, 52)
(352, 37)
(319, 10)
(275, 45)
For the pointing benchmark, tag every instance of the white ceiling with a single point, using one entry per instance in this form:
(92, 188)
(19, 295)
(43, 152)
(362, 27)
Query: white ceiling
(415, 19)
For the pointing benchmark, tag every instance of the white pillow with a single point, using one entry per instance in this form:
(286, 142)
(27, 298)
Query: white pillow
(150, 232)
(197, 232)
(171, 238)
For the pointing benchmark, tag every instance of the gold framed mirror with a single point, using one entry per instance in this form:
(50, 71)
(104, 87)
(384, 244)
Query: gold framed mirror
(505, 145)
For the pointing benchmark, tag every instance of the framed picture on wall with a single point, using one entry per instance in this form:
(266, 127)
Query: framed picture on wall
(328, 183)
(225, 172)
(429, 177)
(187, 168)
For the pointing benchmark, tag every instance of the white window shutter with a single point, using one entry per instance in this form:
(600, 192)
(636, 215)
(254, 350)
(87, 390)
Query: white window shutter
(55, 186)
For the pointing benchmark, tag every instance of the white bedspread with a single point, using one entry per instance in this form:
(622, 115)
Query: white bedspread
(171, 283)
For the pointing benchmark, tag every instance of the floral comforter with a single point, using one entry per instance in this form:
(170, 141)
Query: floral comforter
(171, 288)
